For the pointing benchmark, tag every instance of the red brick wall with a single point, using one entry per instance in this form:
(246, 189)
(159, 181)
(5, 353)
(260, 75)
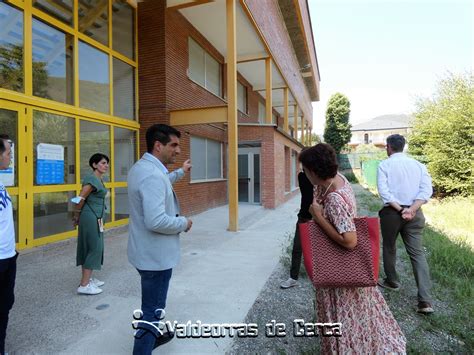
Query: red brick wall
(151, 66)
(198, 197)
(164, 86)
(182, 91)
(275, 173)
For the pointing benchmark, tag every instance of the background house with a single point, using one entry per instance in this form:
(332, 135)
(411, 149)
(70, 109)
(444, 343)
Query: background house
(379, 128)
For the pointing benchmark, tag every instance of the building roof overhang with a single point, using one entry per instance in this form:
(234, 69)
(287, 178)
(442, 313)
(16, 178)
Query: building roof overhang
(299, 27)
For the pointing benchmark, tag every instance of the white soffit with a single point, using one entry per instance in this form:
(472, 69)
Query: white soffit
(210, 20)
(254, 72)
(278, 97)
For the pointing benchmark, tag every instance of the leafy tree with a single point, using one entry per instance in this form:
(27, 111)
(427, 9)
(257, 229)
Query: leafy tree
(443, 134)
(338, 130)
(315, 139)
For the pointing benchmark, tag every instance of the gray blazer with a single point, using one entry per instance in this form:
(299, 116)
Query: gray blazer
(154, 225)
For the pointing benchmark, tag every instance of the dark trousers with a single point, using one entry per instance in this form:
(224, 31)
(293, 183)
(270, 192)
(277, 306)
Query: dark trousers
(296, 254)
(154, 291)
(7, 295)
(393, 224)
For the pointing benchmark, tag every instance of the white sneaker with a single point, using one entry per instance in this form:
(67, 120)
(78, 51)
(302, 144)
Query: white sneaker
(289, 283)
(90, 289)
(96, 283)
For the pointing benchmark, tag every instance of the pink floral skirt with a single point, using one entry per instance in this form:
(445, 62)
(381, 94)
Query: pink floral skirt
(368, 326)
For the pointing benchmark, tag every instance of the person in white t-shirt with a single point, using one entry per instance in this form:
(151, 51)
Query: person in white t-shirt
(8, 253)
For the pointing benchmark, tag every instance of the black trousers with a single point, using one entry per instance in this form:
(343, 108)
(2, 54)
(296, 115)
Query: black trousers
(7, 296)
(296, 254)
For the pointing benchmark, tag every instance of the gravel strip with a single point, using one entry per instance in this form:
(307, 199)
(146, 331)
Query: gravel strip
(282, 306)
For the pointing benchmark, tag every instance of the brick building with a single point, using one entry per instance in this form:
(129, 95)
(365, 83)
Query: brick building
(236, 77)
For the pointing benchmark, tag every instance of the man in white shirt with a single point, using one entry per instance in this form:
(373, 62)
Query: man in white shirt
(404, 186)
(8, 253)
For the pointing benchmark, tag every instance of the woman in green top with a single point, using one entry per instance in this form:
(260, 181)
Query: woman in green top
(89, 216)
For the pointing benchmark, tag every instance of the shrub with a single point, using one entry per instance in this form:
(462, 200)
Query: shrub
(443, 134)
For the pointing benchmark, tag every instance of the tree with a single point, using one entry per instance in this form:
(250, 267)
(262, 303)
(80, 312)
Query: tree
(315, 139)
(338, 130)
(443, 134)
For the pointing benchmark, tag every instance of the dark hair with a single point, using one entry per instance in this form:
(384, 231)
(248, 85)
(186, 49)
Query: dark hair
(160, 133)
(3, 138)
(96, 158)
(396, 142)
(321, 160)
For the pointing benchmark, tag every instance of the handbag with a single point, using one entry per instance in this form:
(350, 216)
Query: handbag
(328, 264)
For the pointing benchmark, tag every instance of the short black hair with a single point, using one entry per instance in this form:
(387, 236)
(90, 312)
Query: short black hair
(161, 133)
(396, 142)
(321, 160)
(3, 138)
(96, 158)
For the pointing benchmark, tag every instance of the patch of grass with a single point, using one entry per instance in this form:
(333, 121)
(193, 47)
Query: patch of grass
(350, 176)
(452, 266)
(451, 261)
(452, 216)
(418, 345)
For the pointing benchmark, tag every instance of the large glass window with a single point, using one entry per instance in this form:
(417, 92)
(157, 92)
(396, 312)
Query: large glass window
(93, 78)
(124, 151)
(293, 169)
(203, 68)
(94, 138)
(52, 213)
(9, 125)
(213, 75)
(124, 90)
(93, 19)
(121, 203)
(60, 9)
(52, 63)
(206, 155)
(241, 97)
(11, 48)
(53, 149)
(123, 28)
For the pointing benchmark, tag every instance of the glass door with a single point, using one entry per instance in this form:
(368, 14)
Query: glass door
(12, 117)
(249, 175)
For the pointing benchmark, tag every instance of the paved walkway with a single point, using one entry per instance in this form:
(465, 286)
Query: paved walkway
(219, 277)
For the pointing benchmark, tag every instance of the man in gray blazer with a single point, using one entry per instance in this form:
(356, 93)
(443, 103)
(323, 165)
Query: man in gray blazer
(154, 227)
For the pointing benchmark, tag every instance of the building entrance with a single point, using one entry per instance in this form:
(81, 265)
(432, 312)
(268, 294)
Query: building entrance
(249, 175)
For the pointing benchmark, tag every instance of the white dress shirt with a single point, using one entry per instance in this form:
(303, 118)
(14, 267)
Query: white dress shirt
(7, 227)
(403, 180)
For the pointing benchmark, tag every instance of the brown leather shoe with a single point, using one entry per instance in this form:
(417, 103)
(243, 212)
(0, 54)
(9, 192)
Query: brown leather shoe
(425, 308)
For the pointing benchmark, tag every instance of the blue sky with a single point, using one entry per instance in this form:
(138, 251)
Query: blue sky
(384, 54)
